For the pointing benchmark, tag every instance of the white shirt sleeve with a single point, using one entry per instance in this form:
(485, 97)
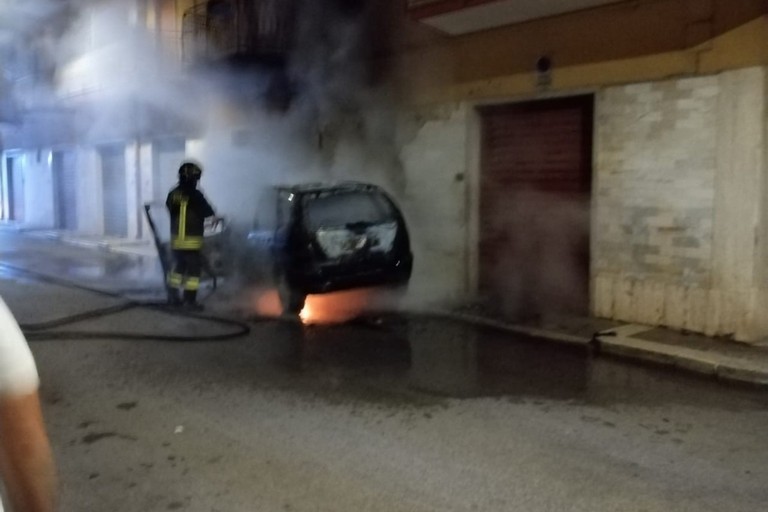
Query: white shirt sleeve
(18, 373)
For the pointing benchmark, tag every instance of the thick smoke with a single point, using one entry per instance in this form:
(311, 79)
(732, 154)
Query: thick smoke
(323, 113)
(30, 36)
(337, 124)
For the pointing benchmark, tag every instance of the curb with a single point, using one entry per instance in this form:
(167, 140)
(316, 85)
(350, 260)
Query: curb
(532, 332)
(722, 367)
(86, 244)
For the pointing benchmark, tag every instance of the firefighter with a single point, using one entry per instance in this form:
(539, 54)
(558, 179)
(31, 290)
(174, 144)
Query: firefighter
(188, 208)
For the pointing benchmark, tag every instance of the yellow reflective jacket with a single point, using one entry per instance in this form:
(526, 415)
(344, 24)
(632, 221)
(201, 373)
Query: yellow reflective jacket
(188, 209)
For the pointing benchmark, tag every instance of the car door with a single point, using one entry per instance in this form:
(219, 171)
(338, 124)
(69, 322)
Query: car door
(282, 254)
(260, 242)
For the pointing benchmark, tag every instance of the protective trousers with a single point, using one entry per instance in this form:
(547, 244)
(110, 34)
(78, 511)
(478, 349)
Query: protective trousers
(185, 276)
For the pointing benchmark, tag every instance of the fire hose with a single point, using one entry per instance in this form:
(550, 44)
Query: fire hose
(47, 330)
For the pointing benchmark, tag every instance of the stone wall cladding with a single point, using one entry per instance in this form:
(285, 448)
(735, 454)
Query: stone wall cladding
(655, 177)
(679, 206)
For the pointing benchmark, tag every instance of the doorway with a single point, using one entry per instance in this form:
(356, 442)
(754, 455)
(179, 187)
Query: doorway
(535, 193)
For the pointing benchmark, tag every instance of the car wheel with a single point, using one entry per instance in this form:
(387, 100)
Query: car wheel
(291, 299)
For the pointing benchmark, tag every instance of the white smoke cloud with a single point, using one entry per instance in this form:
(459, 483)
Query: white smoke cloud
(341, 122)
(124, 84)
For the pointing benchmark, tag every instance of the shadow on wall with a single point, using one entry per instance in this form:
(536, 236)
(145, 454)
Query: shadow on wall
(535, 255)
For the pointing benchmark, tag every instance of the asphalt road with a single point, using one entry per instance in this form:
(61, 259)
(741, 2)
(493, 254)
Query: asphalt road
(379, 414)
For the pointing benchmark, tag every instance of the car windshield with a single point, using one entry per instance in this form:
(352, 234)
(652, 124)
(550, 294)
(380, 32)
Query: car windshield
(344, 208)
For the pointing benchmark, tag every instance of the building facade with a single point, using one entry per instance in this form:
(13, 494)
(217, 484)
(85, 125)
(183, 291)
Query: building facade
(616, 152)
(72, 161)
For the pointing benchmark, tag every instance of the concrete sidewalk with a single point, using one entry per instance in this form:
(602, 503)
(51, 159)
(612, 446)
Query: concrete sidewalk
(144, 248)
(723, 359)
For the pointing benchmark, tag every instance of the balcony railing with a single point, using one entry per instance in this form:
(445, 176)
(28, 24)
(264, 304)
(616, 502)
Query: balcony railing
(225, 29)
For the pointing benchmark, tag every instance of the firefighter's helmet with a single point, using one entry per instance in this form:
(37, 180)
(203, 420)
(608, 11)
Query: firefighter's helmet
(190, 171)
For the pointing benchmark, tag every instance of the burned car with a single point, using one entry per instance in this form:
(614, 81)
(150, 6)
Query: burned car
(325, 238)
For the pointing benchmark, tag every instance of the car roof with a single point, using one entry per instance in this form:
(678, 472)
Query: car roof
(318, 188)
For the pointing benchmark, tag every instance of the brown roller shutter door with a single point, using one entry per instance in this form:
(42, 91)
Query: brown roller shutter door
(536, 174)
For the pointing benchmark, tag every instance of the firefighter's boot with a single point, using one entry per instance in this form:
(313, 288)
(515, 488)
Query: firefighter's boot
(190, 301)
(174, 298)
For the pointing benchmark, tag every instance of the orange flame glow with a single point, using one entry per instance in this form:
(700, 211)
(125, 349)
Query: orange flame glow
(267, 302)
(330, 308)
(335, 307)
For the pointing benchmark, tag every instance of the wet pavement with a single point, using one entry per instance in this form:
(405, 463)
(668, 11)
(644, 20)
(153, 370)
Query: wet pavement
(89, 267)
(438, 356)
(447, 359)
(382, 413)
